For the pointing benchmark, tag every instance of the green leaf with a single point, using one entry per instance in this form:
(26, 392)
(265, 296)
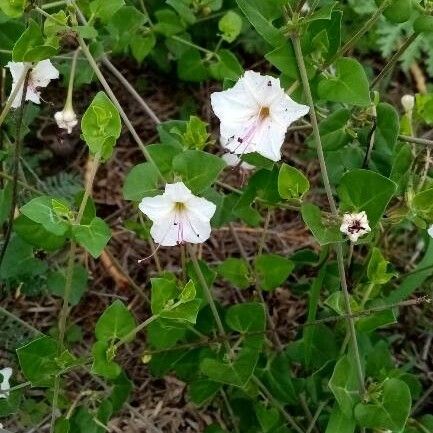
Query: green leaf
(120, 393)
(355, 193)
(116, 322)
(377, 268)
(40, 210)
(188, 292)
(141, 46)
(202, 390)
(31, 47)
(183, 9)
(338, 422)
(291, 182)
(422, 204)
(195, 135)
(105, 9)
(56, 282)
(272, 270)
(40, 361)
(93, 237)
(37, 235)
(390, 411)
(247, 317)
(230, 24)
(226, 66)
(236, 272)
(325, 232)
(184, 312)
(164, 290)
(103, 365)
(349, 86)
(198, 169)
(190, 66)
(344, 385)
(101, 125)
(141, 181)
(385, 137)
(255, 13)
(168, 22)
(13, 8)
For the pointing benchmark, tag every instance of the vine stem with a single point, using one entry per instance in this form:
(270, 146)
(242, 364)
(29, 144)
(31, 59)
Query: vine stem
(209, 297)
(64, 312)
(14, 93)
(393, 60)
(338, 247)
(15, 167)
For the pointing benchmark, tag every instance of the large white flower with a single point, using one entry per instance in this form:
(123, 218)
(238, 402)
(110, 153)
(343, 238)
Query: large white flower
(6, 374)
(255, 114)
(178, 216)
(40, 76)
(355, 225)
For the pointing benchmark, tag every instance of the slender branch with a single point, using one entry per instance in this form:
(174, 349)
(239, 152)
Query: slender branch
(325, 177)
(209, 297)
(15, 169)
(387, 68)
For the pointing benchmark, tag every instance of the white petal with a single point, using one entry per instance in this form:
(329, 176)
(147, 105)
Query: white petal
(156, 208)
(285, 110)
(165, 233)
(196, 229)
(43, 73)
(235, 106)
(177, 192)
(200, 208)
(4, 385)
(430, 231)
(264, 88)
(269, 140)
(16, 69)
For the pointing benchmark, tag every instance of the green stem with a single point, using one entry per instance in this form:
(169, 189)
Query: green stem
(326, 182)
(53, 4)
(209, 297)
(14, 93)
(135, 331)
(192, 45)
(68, 104)
(387, 68)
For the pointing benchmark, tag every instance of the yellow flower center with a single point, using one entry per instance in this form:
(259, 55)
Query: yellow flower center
(264, 113)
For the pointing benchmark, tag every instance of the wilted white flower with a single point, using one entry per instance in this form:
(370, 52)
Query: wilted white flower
(178, 216)
(6, 373)
(408, 103)
(233, 160)
(40, 76)
(66, 119)
(255, 114)
(355, 225)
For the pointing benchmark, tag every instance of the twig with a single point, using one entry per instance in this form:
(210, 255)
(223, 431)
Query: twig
(325, 178)
(386, 69)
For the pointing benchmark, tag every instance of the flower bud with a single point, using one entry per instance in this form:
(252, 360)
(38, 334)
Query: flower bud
(66, 119)
(408, 103)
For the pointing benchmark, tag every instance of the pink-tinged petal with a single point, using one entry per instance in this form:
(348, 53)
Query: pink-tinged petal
(16, 69)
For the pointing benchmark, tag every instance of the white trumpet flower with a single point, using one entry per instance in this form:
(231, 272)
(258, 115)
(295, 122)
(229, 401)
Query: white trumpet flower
(408, 103)
(6, 373)
(40, 76)
(355, 225)
(255, 114)
(178, 216)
